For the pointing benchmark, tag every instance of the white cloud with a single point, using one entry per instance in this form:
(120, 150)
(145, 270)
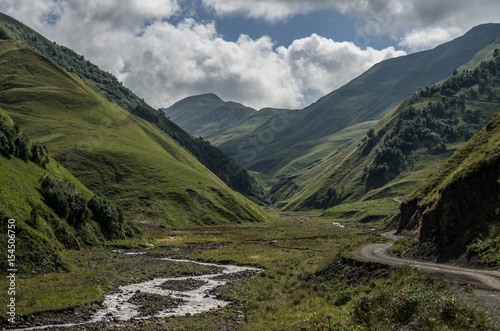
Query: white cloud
(419, 39)
(321, 64)
(116, 14)
(405, 20)
(171, 62)
(163, 63)
(272, 11)
(276, 10)
(436, 22)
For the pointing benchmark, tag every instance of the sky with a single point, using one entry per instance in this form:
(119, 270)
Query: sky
(261, 53)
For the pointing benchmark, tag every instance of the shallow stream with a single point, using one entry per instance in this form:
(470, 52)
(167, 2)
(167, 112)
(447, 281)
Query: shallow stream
(165, 297)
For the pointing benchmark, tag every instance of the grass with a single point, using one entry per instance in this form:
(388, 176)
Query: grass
(486, 248)
(466, 182)
(45, 236)
(306, 283)
(266, 181)
(111, 151)
(304, 155)
(294, 293)
(364, 211)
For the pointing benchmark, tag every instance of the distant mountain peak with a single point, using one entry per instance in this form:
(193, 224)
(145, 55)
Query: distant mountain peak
(207, 97)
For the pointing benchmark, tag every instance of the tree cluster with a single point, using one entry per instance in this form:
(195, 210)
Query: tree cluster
(231, 173)
(13, 142)
(484, 76)
(65, 200)
(71, 205)
(444, 119)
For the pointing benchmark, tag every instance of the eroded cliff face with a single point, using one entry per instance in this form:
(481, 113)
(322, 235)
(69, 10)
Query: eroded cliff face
(461, 201)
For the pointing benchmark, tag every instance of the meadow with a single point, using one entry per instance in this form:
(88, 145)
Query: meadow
(310, 280)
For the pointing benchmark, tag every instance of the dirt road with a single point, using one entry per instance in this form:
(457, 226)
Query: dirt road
(378, 253)
(486, 283)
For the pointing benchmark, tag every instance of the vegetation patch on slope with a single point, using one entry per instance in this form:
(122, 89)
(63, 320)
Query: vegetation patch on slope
(457, 208)
(49, 214)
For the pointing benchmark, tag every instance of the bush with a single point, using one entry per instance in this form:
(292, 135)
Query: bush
(408, 299)
(109, 217)
(71, 205)
(65, 200)
(15, 143)
(39, 154)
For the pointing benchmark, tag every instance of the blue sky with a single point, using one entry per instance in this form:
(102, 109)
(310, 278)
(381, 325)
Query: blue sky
(262, 53)
(328, 23)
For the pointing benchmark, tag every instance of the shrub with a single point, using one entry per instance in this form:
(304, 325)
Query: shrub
(65, 200)
(109, 217)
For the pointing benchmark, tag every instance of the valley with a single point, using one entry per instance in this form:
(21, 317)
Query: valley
(308, 280)
(125, 220)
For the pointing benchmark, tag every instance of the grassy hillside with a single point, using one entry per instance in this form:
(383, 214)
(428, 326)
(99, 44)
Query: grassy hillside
(108, 86)
(457, 208)
(41, 230)
(111, 151)
(406, 146)
(218, 121)
(366, 98)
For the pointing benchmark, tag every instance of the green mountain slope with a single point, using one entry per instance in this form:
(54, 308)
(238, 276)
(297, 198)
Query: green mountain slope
(111, 151)
(460, 202)
(405, 146)
(40, 230)
(208, 116)
(108, 86)
(274, 145)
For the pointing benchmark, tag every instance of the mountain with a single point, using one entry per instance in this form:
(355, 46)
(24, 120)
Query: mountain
(219, 121)
(208, 116)
(108, 86)
(405, 146)
(111, 151)
(457, 208)
(292, 140)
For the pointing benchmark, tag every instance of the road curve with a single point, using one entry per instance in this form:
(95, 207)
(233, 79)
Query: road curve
(378, 253)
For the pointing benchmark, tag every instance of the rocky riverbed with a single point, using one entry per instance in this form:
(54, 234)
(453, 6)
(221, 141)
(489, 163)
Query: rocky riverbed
(155, 300)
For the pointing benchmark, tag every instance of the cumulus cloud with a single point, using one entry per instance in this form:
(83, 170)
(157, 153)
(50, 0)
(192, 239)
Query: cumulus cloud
(419, 39)
(191, 58)
(321, 64)
(430, 24)
(271, 11)
(163, 62)
(196, 60)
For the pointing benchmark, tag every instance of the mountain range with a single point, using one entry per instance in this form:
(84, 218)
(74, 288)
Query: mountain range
(396, 131)
(280, 142)
(354, 153)
(86, 165)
